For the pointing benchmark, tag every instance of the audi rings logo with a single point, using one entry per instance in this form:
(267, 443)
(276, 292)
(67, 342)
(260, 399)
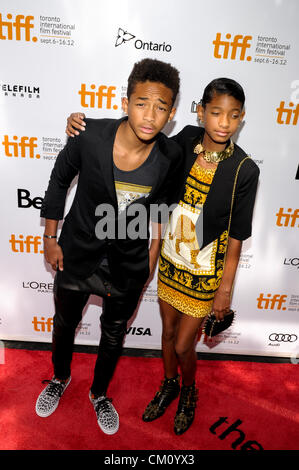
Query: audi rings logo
(283, 337)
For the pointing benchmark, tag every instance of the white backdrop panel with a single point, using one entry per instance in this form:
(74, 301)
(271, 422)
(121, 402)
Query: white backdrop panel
(56, 55)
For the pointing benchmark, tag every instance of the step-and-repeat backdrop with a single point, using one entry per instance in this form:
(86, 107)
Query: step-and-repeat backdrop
(61, 56)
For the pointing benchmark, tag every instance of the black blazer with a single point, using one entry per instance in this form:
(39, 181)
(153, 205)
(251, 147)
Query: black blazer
(91, 156)
(214, 218)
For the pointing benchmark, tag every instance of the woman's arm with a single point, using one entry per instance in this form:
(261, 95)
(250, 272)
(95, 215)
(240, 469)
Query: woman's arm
(222, 298)
(75, 122)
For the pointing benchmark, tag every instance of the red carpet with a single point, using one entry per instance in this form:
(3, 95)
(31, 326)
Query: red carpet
(259, 399)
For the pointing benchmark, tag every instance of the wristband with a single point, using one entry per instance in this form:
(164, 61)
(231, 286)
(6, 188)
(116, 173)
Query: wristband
(50, 236)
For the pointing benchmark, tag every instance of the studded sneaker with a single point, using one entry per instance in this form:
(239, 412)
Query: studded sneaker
(169, 390)
(107, 416)
(48, 400)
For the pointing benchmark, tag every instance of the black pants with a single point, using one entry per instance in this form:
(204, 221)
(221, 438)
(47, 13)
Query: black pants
(118, 307)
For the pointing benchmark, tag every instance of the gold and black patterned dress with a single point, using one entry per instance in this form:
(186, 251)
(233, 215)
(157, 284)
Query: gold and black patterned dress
(189, 277)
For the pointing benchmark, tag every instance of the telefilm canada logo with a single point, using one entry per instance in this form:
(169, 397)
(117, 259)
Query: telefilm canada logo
(16, 90)
(124, 36)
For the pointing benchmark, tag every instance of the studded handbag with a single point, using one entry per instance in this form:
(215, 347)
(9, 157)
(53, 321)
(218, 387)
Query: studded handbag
(213, 327)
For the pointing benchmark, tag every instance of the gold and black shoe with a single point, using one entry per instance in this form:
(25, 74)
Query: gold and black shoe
(186, 409)
(169, 391)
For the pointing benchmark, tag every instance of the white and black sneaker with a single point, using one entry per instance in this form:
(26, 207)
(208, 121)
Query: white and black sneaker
(107, 416)
(48, 400)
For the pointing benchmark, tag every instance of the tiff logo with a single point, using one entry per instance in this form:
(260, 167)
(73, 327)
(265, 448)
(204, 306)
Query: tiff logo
(275, 301)
(11, 29)
(20, 147)
(288, 216)
(239, 43)
(287, 113)
(100, 98)
(42, 325)
(28, 245)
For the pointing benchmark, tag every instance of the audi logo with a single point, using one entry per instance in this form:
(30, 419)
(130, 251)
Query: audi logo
(282, 337)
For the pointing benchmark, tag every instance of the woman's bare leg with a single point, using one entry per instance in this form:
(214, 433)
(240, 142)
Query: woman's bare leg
(170, 323)
(185, 347)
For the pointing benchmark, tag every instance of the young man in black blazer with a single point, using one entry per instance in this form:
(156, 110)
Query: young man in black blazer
(124, 165)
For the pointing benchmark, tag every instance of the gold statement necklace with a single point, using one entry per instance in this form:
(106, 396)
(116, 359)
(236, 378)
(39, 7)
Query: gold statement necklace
(214, 157)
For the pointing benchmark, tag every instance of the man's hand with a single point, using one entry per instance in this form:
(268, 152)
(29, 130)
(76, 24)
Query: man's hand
(75, 121)
(53, 254)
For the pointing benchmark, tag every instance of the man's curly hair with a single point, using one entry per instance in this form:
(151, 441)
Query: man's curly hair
(154, 70)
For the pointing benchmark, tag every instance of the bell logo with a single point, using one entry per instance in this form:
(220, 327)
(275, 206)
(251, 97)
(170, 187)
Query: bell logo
(42, 325)
(16, 29)
(276, 301)
(25, 201)
(290, 217)
(102, 97)
(239, 42)
(23, 147)
(29, 244)
(288, 113)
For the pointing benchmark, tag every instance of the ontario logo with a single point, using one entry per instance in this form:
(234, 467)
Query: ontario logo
(124, 37)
